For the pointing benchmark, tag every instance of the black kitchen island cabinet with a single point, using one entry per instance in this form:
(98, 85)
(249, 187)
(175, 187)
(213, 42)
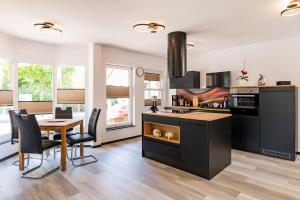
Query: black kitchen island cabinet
(201, 143)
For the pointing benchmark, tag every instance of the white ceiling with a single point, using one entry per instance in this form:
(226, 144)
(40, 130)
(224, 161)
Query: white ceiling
(211, 24)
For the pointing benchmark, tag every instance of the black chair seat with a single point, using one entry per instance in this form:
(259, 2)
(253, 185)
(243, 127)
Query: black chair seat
(79, 138)
(57, 135)
(47, 144)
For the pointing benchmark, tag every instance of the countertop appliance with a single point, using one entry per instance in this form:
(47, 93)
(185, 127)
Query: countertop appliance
(244, 108)
(218, 79)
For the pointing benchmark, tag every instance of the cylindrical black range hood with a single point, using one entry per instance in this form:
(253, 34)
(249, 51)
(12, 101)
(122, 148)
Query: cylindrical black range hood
(177, 66)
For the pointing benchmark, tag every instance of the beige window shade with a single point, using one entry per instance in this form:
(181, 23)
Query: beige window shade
(36, 107)
(117, 92)
(148, 102)
(152, 77)
(6, 97)
(71, 96)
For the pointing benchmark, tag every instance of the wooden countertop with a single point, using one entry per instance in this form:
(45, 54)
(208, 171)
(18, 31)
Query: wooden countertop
(198, 108)
(201, 116)
(266, 86)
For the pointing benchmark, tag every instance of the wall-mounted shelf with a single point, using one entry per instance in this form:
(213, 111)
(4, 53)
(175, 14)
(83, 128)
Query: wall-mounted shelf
(150, 126)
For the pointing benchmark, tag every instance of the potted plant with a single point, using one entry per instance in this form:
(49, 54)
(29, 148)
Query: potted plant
(243, 77)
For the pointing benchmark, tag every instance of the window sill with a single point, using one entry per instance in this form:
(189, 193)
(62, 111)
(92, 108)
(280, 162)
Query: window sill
(119, 127)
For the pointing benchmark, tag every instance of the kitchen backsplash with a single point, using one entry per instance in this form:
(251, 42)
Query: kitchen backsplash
(210, 95)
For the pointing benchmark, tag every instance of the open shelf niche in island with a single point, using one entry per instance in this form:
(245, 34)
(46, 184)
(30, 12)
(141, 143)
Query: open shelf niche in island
(150, 126)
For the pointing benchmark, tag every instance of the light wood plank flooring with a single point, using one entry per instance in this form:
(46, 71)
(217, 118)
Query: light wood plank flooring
(121, 173)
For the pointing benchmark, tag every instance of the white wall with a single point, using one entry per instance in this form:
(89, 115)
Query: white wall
(276, 60)
(6, 46)
(122, 57)
(71, 55)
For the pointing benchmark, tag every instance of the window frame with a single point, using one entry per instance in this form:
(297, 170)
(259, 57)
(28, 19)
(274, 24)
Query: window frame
(161, 89)
(58, 87)
(130, 85)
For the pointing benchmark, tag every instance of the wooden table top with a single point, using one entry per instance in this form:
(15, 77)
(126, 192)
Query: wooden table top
(59, 122)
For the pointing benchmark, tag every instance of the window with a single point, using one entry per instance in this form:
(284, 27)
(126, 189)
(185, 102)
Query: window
(119, 102)
(35, 82)
(5, 99)
(153, 88)
(35, 88)
(5, 74)
(71, 89)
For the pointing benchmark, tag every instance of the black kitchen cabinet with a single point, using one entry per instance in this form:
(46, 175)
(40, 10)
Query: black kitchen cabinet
(245, 133)
(202, 148)
(194, 142)
(278, 114)
(190, 81)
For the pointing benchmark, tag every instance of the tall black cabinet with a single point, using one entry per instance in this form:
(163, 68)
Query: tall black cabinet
(278, 121)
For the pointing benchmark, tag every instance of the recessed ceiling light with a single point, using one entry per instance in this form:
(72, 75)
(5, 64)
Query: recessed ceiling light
(150, 27)
(47, 27)
(293, 8)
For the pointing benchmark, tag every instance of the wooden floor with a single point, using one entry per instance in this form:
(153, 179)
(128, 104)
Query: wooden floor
(121, 173)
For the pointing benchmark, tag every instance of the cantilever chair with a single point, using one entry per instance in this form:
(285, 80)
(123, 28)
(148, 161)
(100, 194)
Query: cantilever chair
(63, 114)
(15, 132)
(31, 142)
(91, 135)
(14, 128)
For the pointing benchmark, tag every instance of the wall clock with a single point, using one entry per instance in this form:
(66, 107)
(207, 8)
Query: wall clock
(140, 72)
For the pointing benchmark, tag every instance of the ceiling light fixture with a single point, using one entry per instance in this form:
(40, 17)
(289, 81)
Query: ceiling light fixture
(293, 8)
(150, 28)
(47, 27)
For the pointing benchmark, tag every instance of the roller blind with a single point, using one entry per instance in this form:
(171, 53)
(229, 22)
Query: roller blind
(152, 77)
(70, 96)
(6, 97)
(36, 107)
(117, 91)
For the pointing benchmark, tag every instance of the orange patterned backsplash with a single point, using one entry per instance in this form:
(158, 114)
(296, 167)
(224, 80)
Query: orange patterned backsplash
(209, 95)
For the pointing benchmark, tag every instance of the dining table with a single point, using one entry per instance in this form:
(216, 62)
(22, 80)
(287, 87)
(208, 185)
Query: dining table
(61, 125)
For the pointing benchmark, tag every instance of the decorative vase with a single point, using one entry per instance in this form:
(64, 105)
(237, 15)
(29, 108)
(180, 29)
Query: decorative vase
(169, 135)
(156, 133)
(242, 82)
(261, 81)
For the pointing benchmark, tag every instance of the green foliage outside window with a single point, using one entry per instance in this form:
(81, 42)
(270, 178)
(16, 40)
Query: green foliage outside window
(35, 80)
(67, 73)
(5, 77)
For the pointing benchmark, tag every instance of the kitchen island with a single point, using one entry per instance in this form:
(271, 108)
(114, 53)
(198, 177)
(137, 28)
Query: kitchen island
(200, 142)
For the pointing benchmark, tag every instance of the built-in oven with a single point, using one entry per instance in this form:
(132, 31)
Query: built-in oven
(244, 101)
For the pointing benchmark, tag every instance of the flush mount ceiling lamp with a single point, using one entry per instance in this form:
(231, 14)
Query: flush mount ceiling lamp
(150, 27)
(293, 8)
(47, 27)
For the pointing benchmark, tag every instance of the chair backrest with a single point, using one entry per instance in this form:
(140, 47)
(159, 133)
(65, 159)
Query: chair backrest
(63, 114)
(23, 112)
(92, 128)
(31, 139)
(13, 122)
